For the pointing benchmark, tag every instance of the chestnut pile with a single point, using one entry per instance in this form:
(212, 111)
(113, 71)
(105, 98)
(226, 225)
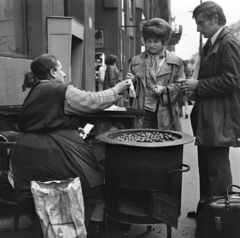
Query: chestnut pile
(154, 136)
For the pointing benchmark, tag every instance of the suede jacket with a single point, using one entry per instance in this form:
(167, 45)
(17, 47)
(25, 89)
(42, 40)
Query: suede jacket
(172, 70)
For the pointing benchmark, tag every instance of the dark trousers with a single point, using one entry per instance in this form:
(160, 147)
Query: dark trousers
(214, 170)
(150, 120)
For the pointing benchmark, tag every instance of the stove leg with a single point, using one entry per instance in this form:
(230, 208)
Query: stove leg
(149, 228)
(105, 224)
(169, 231)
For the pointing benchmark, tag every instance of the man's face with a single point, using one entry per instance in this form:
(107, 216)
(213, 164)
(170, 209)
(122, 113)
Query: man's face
(208, 27)
(154, 45)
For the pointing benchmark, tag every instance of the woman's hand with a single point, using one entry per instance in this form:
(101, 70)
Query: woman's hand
(82, 132)
(158, 89)
(131, 76)
(122, 86)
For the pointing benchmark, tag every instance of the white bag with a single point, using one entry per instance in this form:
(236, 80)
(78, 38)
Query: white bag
(60, 207)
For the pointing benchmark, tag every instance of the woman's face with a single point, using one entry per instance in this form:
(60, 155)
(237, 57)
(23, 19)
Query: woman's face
(154, 46)
(58, 73)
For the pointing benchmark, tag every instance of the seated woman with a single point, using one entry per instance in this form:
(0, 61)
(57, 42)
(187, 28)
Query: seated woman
(48, 146)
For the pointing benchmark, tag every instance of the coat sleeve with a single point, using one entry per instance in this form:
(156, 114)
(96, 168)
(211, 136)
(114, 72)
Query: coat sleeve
(229, 78)
(175, 93)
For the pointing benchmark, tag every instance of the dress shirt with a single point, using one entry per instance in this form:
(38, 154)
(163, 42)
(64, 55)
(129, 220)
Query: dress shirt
(214, 37)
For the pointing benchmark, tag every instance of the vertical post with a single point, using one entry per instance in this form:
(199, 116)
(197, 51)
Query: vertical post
(169, 231)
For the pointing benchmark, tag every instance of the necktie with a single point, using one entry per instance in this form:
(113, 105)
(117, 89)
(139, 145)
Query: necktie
(210, 46)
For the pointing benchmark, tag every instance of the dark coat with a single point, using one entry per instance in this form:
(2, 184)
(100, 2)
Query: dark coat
(216, 113)
(49, 146)
(111, 77)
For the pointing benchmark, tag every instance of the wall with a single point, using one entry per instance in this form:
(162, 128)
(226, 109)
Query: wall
(84, 10)
(37, 13)
(11, 80)
(12, 70)
(108, 18)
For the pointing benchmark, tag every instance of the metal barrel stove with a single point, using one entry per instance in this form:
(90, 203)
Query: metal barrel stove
(143, 179)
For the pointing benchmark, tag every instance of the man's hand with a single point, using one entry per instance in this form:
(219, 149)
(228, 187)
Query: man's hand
(131, 76)
(187, 84)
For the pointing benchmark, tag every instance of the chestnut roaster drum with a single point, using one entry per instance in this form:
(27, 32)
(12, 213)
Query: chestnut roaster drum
(143, 175)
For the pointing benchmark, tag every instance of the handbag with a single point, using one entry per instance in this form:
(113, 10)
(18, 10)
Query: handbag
(219, 216)
(170, 108)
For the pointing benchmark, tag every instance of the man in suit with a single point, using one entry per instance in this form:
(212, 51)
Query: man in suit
(215, 117)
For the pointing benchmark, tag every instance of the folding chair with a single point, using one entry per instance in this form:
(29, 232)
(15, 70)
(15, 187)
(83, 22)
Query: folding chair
(18, 196)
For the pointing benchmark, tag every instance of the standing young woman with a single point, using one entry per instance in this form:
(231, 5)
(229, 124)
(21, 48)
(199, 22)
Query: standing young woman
(154, 74)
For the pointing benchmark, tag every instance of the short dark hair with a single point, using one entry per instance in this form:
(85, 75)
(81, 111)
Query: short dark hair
(111, 59)
(40, 69)
(209, 9)
(156, 28)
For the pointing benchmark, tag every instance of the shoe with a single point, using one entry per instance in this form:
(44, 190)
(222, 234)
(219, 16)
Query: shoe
(192, 214)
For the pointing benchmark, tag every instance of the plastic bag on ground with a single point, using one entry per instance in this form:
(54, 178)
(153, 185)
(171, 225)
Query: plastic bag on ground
(60, 207)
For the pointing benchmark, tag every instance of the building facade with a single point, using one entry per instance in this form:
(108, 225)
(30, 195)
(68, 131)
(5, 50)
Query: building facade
(24, 35)
(118, 31)
(81, 32)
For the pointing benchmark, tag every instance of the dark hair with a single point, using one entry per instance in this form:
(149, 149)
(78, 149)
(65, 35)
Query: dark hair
(156, 28)
(210, 9)
(40, 69)
(111, 59)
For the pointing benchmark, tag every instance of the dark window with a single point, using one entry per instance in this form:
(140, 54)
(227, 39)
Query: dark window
(123, 14)
(131, 9)
(13, 27)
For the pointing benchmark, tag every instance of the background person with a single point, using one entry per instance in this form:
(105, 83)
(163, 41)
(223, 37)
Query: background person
(154, 72)
(216, 113)
(111, 73)
(48, 146)
(101, 76)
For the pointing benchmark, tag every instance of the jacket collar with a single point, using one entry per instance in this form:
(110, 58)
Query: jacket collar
(170, 58)
(216, 45)
(224, 32)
